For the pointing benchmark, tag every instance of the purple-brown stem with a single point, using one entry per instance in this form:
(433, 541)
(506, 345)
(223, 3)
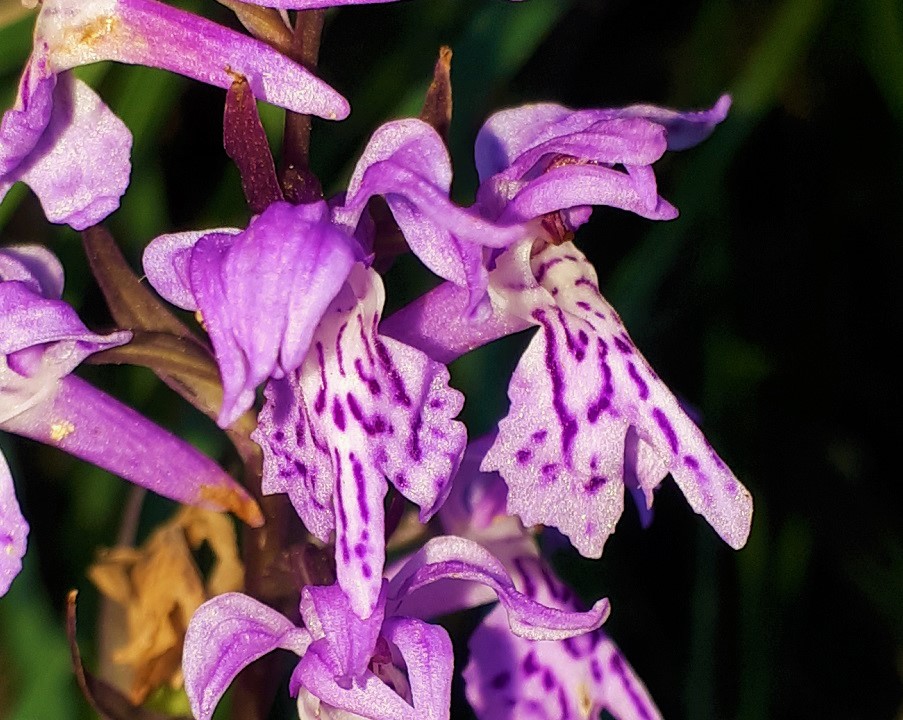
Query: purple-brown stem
(299, 184)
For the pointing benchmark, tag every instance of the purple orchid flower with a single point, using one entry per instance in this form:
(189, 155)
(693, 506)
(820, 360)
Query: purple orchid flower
(588, 414)
(385, 667)
(345, 409)
(510, 676)
(61, 139)
(290, 299)
(41, 342)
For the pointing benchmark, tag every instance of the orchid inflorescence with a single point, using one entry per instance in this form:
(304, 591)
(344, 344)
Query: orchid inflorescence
(358, 413)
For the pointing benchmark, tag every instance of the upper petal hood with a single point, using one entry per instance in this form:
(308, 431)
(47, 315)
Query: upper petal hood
(261, 291)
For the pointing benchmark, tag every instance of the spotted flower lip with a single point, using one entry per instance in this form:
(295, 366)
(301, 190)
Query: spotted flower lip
(42, 340)
(348, 663)
(588, 414)
(60, 138)
(361, 412)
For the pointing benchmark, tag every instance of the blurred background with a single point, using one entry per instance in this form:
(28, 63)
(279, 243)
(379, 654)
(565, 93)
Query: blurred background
(770, 306)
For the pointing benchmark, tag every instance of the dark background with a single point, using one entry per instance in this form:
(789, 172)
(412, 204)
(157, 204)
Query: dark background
(771, 306)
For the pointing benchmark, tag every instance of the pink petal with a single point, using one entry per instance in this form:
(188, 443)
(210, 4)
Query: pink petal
(462, 559)
(225, 635)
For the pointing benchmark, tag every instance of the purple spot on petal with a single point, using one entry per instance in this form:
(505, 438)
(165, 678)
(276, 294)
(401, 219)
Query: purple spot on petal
(320, 402)
(365, 340)
(666, 428)
(563, 707)
(360, 485)
(601, 403)
(719, 463)
(539, 436)
(338, 348)
(565, 418)
(360, 550)
(524, 455)
(400, 395)
(572, 647)
(354, 408)
(583, 305)
(641, 385)
(343, 517)
(544, 268)
(338, 414)
(595, 670)
(500, 681)
(400, 481)
(371, 382)
(530, 665)
(594, 485)
(622, 346)
(366, 570)
(586, 282)
(548, 680)
(414, 449)
(691, 462)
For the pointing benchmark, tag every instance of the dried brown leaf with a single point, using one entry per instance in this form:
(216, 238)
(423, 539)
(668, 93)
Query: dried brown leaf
(159, 586)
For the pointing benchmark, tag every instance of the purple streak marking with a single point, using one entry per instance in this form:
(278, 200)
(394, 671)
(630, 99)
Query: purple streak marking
(666, 428)
(641, 385)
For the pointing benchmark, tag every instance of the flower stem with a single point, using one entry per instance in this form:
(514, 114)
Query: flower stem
(298, 183)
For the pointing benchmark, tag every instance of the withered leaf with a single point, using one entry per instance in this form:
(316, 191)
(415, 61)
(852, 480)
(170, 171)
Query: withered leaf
(160, 586)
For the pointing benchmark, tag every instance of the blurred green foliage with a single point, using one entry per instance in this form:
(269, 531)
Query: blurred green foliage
(770, 306)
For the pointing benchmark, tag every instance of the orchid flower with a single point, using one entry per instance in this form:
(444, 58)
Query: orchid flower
(345, 409)
(41, 342)
(385, 667)
(290, 299)
(511, 676)
(60, 138)
(588, 414)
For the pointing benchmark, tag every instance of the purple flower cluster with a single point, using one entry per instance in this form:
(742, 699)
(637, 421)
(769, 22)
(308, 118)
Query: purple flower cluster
(356, 403)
